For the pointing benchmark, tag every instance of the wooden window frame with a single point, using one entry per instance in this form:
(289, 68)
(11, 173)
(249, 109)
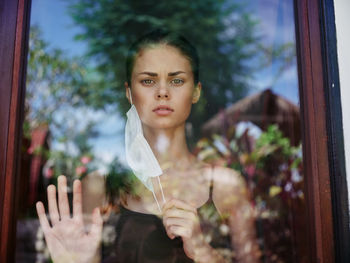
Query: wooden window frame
(323, 147)
(14, 34)
(322, 131)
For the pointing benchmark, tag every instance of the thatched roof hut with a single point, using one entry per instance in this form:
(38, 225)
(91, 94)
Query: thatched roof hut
(262, 109)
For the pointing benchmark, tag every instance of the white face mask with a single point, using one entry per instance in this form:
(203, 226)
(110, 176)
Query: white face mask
(139, 154)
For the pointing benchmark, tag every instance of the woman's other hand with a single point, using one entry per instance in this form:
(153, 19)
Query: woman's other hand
(66, 238)
(181, 219)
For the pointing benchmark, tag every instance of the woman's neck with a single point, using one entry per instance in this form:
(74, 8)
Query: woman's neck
(169, 146)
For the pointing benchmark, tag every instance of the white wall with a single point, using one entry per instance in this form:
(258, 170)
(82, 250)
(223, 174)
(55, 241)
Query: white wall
(342, 20)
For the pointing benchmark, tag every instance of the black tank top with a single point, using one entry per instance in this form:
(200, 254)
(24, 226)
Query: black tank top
(142, 238)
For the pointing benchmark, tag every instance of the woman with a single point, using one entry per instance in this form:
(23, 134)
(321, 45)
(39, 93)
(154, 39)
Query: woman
(162, 83)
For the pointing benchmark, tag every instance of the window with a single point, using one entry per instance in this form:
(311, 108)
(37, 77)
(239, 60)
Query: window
(271, 62)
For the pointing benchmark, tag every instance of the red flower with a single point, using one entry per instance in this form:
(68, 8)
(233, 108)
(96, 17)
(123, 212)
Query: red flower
(30, 150)
(250, 170)
(85, 159)
(80, 170)
(49, 173)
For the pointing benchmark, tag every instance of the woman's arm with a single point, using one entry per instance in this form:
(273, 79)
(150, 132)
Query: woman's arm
(231, 198)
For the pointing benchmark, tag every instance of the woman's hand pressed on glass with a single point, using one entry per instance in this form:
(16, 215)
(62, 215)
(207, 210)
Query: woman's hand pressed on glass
(66, 238)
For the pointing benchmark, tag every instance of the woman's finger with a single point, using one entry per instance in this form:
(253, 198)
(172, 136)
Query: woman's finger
(176, 222)
(42, 217)
(53, 211)
(167, 228)
(63, 198)
(169, 233)
(179, 204)
(77, 201)
(97, 223)
(170, 222)
(180, 231)
(179, 213)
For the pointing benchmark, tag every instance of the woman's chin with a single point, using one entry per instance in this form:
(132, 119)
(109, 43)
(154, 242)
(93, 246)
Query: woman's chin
(165, 125)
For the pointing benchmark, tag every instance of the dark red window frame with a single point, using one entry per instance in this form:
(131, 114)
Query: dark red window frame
(322, 140)
(14, 32)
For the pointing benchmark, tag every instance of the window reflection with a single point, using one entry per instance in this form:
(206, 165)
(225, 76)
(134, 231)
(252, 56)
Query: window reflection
(246, 121)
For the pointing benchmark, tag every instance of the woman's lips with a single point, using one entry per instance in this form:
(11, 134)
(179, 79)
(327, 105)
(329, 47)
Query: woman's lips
(163, 110)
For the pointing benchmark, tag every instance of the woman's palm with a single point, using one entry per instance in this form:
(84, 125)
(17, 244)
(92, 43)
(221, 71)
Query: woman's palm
(67, 238)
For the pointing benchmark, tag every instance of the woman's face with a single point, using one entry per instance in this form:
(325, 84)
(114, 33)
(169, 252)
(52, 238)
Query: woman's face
(162, 87)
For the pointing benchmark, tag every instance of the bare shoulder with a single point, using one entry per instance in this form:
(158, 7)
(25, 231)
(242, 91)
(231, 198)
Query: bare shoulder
(229, 189)
(227, 177)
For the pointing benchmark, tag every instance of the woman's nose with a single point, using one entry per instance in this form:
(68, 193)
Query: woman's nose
(163, 92)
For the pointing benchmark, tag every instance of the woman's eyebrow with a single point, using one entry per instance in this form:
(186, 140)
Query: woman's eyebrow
(152, 74)
(176, 73)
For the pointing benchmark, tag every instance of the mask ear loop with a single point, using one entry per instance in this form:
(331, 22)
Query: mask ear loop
(155, 197)
(161, 190)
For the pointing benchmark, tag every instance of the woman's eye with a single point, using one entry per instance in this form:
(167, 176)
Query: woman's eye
(147, 82)
(177, 81)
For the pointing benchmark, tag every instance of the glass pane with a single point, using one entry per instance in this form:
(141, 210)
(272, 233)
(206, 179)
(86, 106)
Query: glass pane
(206, 165)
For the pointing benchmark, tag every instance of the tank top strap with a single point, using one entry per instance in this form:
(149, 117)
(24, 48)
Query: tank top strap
(211, 186)
(211, 182)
